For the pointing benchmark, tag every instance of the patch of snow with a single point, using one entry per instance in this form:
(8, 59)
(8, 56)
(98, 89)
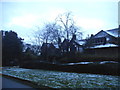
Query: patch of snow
(93, 75)
(78, 63)
(84, 62)
(108, 62)
(70, 64)
(56, 46)
(81, 42)
(106, 45)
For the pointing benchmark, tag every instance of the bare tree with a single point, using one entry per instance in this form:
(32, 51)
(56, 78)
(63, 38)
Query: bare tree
(51, 32)
(37, 37)
(56, 32)
(63, 27)
(68, 25)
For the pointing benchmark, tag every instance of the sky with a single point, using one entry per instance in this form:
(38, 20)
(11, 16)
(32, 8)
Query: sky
(23, 16)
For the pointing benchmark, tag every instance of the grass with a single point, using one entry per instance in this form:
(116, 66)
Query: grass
(57, 79)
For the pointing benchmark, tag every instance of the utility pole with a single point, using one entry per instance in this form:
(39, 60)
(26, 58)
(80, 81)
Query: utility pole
(118, 43)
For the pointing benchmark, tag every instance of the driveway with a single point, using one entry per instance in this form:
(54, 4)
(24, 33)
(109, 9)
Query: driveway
(13, 83)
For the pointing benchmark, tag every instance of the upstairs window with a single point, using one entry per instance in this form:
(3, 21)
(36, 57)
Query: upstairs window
(98, 41)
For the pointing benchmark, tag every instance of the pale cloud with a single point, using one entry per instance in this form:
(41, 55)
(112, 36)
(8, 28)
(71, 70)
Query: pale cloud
(32, 20)
(27, 16)
(53, 14)
(89, 23)
(24, 21)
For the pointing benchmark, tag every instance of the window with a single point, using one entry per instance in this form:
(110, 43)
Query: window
(107, 39)
(98, 41)
(69, 49)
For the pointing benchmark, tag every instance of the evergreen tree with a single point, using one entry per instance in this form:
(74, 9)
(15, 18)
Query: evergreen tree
(12, 48)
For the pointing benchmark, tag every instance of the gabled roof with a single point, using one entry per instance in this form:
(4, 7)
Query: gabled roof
(65, 41)
(113, 32)
(47, 44)
(76, 43)
(100, 34)
(81, 42)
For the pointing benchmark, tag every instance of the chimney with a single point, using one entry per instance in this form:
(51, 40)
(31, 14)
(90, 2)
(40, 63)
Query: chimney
(92, 35)
(74, 37)
(59, 40)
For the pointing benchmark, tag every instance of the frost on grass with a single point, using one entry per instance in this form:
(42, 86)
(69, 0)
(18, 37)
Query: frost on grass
(56, 79)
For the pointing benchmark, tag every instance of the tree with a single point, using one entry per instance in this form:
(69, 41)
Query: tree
(55, 32)
(63, 27)
(51, 32)
(31, 49)
(12, 47)
(68, 25)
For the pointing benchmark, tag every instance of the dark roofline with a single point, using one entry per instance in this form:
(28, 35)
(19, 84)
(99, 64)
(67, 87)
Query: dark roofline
(112, 29)
(98, 33)
(105, 32)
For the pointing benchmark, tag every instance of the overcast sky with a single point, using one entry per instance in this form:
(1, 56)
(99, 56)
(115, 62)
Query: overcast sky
(91, 15)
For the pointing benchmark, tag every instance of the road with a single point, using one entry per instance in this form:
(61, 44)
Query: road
(12, 83)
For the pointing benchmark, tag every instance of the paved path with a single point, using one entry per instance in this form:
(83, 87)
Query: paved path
(11, 83)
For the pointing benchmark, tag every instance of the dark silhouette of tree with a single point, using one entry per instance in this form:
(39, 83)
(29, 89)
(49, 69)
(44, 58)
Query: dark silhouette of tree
(63, 27)
(11, 47)
(50, 33)
(68, 25)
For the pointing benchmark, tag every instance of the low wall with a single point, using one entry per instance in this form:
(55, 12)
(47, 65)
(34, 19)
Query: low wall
(104, 52)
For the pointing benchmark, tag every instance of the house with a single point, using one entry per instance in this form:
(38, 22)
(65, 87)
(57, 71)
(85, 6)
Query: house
(65, 46)
(105, 38)
(104, 43)
(76, 45)
(50, 52)
(33, 49)
(48, 49)
(72, 45)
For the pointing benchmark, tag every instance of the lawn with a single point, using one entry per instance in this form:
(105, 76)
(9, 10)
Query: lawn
(57, 79)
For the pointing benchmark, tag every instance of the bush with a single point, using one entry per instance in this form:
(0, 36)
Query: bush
(81, 57)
